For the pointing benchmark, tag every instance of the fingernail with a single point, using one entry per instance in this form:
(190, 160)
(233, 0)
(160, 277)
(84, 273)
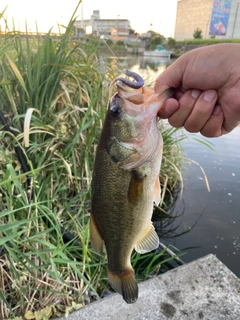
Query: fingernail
(195, 93)
(209, 95)
(217, 110)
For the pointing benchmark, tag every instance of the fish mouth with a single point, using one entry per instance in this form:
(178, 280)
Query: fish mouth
(125, 84)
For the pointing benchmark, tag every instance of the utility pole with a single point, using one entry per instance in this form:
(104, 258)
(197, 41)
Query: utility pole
(82, 24)
(118, 24)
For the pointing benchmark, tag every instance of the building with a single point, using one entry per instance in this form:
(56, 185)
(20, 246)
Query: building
(117, 28)
(215, 18)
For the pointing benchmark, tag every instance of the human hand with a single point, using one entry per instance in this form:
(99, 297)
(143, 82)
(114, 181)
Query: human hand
(207, 90)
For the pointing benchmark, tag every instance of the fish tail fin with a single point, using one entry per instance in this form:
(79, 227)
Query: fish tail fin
(125, 284)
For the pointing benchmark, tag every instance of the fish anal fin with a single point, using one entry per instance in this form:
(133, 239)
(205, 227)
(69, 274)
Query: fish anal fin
(157, 192)
(135, 189)
(149, 241)
(95, 237)
(125, 284)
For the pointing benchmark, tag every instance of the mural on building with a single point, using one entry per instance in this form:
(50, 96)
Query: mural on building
(219, 18)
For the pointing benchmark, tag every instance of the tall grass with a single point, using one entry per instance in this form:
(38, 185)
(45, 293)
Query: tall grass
(53, 97)
(51, 93)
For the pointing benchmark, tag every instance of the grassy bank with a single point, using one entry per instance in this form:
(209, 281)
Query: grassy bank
(189, 44)
(53, 96)
(207, 41)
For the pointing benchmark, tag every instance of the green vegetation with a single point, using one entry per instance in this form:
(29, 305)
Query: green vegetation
(156, 38)
(171, 42)
(197, 34)
(189, 44)
(207, 41)
(53, 97)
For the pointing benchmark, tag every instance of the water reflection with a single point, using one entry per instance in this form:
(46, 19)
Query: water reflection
(202, 222)
(156, 64)
(218, 229)
(215, 215)
(148, 67)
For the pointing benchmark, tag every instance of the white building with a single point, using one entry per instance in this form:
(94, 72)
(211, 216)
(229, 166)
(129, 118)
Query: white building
(118, 28)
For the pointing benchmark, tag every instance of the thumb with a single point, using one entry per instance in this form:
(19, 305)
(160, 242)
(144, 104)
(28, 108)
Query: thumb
(172, 76)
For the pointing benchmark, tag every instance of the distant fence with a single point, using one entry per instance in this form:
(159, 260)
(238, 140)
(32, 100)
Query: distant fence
(136, 50)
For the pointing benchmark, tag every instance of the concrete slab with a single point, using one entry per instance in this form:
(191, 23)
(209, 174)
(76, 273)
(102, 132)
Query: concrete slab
(203, 289)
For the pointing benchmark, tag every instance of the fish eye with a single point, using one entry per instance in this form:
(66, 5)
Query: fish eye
(116, 107)
(115, 112)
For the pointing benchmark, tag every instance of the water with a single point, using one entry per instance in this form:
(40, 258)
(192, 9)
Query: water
(209, 222)
(203, 222)
(148, 67)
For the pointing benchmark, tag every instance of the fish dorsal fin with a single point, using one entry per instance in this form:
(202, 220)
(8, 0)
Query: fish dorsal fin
(157, 192)
(149, 241)
(95, 237)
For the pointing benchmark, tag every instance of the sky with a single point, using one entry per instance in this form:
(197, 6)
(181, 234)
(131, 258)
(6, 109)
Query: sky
(157, 15)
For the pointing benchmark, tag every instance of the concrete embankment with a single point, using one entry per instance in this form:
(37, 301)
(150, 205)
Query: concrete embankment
(203, 289)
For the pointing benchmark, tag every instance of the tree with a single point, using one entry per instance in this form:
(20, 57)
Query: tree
(171, 42)
(153, 33)
(109, 42)
(132, 31)
(197, 34)
(120, 43)
(156, 39)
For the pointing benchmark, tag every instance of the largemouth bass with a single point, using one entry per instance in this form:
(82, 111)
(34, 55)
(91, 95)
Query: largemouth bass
(125, 181)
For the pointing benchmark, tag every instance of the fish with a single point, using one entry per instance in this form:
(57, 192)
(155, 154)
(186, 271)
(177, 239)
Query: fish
(125, 180)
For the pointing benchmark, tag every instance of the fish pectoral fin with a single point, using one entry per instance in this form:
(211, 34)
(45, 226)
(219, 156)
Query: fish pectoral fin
(149, 241)
(95, 237)
(135, 189)
(157, 192)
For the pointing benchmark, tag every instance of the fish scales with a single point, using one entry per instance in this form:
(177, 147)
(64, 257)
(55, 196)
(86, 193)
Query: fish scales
(120, 221)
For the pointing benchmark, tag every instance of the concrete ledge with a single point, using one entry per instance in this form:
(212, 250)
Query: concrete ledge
(203, 289)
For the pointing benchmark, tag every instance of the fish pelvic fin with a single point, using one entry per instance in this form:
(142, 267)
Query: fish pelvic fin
(95, 237)
(149, 241)
(125, 284)
(157, 192)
